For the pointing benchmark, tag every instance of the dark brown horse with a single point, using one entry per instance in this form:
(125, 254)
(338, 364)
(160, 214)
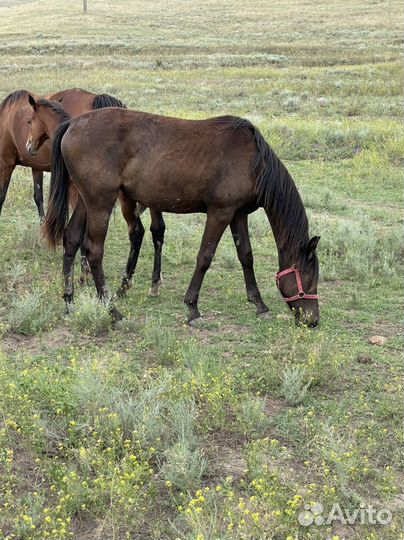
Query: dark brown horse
(14, 113)
(45, 117)
(221, 166)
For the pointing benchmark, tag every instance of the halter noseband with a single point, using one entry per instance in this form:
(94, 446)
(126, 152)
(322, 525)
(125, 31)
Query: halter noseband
(300, 291)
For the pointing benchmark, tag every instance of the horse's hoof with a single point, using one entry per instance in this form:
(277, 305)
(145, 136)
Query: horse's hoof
(120, 293)
(155, 288)
(154, 291)
(195, 323)
(116, 315)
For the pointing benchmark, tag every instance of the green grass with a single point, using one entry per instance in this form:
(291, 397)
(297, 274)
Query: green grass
(150, 428)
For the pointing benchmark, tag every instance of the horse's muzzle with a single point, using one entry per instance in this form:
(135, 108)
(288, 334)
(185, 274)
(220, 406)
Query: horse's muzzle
(32, 151)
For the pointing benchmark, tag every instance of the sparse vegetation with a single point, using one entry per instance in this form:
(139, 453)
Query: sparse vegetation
(88, 315)
(30, 313)
(149, 428)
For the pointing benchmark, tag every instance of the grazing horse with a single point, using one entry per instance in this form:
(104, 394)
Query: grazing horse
(14, 112)
(220, 166)
(44, 119)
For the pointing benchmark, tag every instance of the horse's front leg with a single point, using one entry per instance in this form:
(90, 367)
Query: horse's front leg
(38, 192)
(5, 177)
(239, 229)
(216, 223)
(157, 228)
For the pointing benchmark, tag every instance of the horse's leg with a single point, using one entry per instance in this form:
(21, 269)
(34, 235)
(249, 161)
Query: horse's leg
(216, 223)
(239, 229)
(85, 274)
(136, 233)
(157, 229)
(38, 192)
(72, 240)
(85, 267)
(94, 239)
(5, 177)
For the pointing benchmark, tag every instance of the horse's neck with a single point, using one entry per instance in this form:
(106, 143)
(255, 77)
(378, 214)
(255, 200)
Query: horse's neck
(52, 122)
(290, 235)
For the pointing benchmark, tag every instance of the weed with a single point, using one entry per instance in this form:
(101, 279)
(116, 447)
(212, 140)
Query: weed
(89, 315)
(30, 313)
(294, 386)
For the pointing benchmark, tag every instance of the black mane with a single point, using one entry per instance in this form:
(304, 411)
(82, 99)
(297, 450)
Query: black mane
(275, 190)
(56, 107)
(105, 100)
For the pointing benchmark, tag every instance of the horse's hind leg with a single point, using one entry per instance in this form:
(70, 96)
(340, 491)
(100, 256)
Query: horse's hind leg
(216, 223)
(157, 229)
(73, 238)
(94, 239)
(85, 267)
(38, 192)
(136, 233)
(239, 229)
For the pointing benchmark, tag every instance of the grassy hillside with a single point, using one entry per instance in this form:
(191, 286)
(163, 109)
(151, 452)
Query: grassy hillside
(150, 428)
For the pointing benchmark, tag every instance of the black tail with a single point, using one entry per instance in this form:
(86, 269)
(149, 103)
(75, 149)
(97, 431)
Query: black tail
(58, 205)
(105, 100)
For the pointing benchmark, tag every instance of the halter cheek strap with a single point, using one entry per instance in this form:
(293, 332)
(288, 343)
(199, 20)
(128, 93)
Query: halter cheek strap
(300, 291)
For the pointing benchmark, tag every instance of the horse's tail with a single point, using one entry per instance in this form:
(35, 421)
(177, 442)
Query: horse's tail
(105, 100)
(58, 205)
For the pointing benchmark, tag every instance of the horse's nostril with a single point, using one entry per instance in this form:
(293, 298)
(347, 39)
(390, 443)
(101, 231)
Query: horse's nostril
(313, 324)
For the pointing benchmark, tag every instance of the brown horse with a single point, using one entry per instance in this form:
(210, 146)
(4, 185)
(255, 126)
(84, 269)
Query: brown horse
(14, 114)
(221, 166)
(43, 121)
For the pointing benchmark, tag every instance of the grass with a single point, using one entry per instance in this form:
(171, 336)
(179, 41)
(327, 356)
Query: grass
(150, 428)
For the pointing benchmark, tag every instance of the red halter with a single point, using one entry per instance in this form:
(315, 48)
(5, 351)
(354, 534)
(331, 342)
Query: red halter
(300, 294)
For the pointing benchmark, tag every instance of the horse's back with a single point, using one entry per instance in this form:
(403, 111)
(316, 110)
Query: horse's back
(166, 163)
(75, 101)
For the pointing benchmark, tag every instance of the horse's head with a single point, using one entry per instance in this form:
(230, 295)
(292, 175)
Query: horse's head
(43, 121)
(298, 286)
(37, 128)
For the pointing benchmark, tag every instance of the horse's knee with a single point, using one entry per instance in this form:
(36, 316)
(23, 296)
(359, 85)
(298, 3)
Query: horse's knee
(204, 261)
(71, 243)
(93, 251)
(38, 197)
(94, 254)
(136, 234)
(246, 258)
(157, 230)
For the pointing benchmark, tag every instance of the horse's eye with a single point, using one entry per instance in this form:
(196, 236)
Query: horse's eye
(29, 122)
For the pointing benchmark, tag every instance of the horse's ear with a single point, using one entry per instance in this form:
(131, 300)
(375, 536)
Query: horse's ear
(312, 246)
(32, 102)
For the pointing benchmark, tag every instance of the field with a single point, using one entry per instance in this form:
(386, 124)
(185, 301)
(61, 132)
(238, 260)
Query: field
(149, 428)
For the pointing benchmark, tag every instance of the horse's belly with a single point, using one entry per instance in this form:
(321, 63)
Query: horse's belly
(168, 194)
(169, 201)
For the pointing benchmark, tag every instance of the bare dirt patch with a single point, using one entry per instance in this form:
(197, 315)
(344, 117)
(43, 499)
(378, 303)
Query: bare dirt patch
(14, 343)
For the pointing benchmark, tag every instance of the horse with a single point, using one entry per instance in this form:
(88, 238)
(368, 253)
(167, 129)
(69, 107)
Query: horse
(45, 117)
(14, 111)
(220, 166)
